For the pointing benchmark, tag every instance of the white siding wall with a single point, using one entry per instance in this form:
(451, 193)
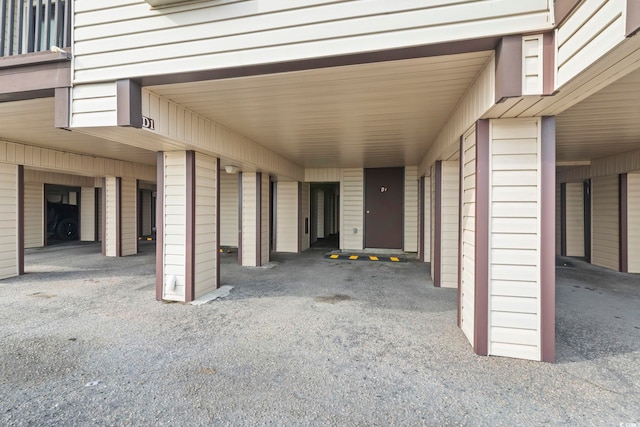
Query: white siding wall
(477, 101)
(305, 238)
(532, 76)
(88, 214)
(228, 209)
(352, 206)
(323, 175)
(514, 244)
(427, 219)
(178, 123)
(129, 217)
(123, 38)
(205, 251)
(8, 220)
(33, 215)
(468, 240)
(100, 214)
(111, 216)
(575, 219)
(287, 217)
(249, 218)
(94, 105)
(595, 28)
(633, 221)
(265, 256)
(411, 209)
(174, 212)
(605, 222)
(450, 199)
(89, 166)
(432, 223)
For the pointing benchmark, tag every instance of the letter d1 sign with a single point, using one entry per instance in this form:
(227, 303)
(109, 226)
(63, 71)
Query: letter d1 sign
(148, 123)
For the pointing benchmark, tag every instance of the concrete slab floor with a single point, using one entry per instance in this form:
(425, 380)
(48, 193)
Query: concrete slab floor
(309, 342)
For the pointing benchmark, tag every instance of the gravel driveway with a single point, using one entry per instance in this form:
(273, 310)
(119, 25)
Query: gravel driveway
(308, 342)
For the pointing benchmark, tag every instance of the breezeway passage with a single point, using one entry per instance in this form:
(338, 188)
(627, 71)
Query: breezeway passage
(306, 342)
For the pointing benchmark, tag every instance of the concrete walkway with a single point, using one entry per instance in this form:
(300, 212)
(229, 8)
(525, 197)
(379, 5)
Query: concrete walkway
(308, 342)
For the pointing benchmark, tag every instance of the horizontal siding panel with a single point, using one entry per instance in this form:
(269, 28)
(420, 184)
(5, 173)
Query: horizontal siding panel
(352, 201)
(287, 217)
(206, 242)
(514, 288)
(237, 31)
(514, 304)
(33, 215)
(515, 351)
(174, 212)
(514, 178)
(514, 336)
(605, 222)
(229, 209)
(411, 209)
(514, 272)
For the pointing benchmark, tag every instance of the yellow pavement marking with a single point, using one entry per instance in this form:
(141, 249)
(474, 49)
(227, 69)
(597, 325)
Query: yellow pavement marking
(394, 259)
(353, 257)
(334, 256)
(373, 258)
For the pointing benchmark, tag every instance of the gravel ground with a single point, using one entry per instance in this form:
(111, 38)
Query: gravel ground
(309, 342)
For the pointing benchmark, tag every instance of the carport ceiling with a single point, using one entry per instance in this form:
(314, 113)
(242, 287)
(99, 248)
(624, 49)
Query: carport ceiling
(31, 122)
(602, 125)
(370, 115)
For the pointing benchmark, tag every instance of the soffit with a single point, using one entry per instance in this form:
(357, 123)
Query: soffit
(370, 115)
(31, 122)
(602, 125)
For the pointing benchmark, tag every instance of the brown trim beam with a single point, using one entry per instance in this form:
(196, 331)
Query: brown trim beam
(21, 219)
(258, 219)
(460, 225)
(563, 219)
(38, 79)
(240, 207)
(548, 240)
(508, 68)
(549, 63)
(437, 238)
(483, 217)
(623, 224)
(160, 226)
(61, 109)
(104, 216)
(129, 103)
(189, 281)
(421, 213)
(633, 18)
(424, 51)
(218, 240)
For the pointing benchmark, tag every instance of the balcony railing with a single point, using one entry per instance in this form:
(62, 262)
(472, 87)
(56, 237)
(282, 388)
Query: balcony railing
(34, 25)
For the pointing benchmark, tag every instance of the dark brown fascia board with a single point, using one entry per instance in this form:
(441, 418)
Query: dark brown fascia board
(508, 68)
(633, 18)
(36, 58)
(425, 51)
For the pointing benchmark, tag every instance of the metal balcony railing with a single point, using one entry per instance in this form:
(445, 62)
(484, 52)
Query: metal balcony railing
(34, 25)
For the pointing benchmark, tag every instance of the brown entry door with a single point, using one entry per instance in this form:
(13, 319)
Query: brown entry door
(384, 195)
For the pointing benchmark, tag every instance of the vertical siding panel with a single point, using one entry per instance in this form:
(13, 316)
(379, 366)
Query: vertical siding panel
(450, 227)
(411, 209)
(264, 239)
(352, 206)
(8, 220)
(605, 222)
(249, 238)
(287, 217)
(33, 215)
(206, 252)
(88, 214)
(427, 218)
(111, 216)
(514, 242)
(229, 210)
(633, 218)
(575, 219)
(468, 239)
(129, 217)
(175, 220)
